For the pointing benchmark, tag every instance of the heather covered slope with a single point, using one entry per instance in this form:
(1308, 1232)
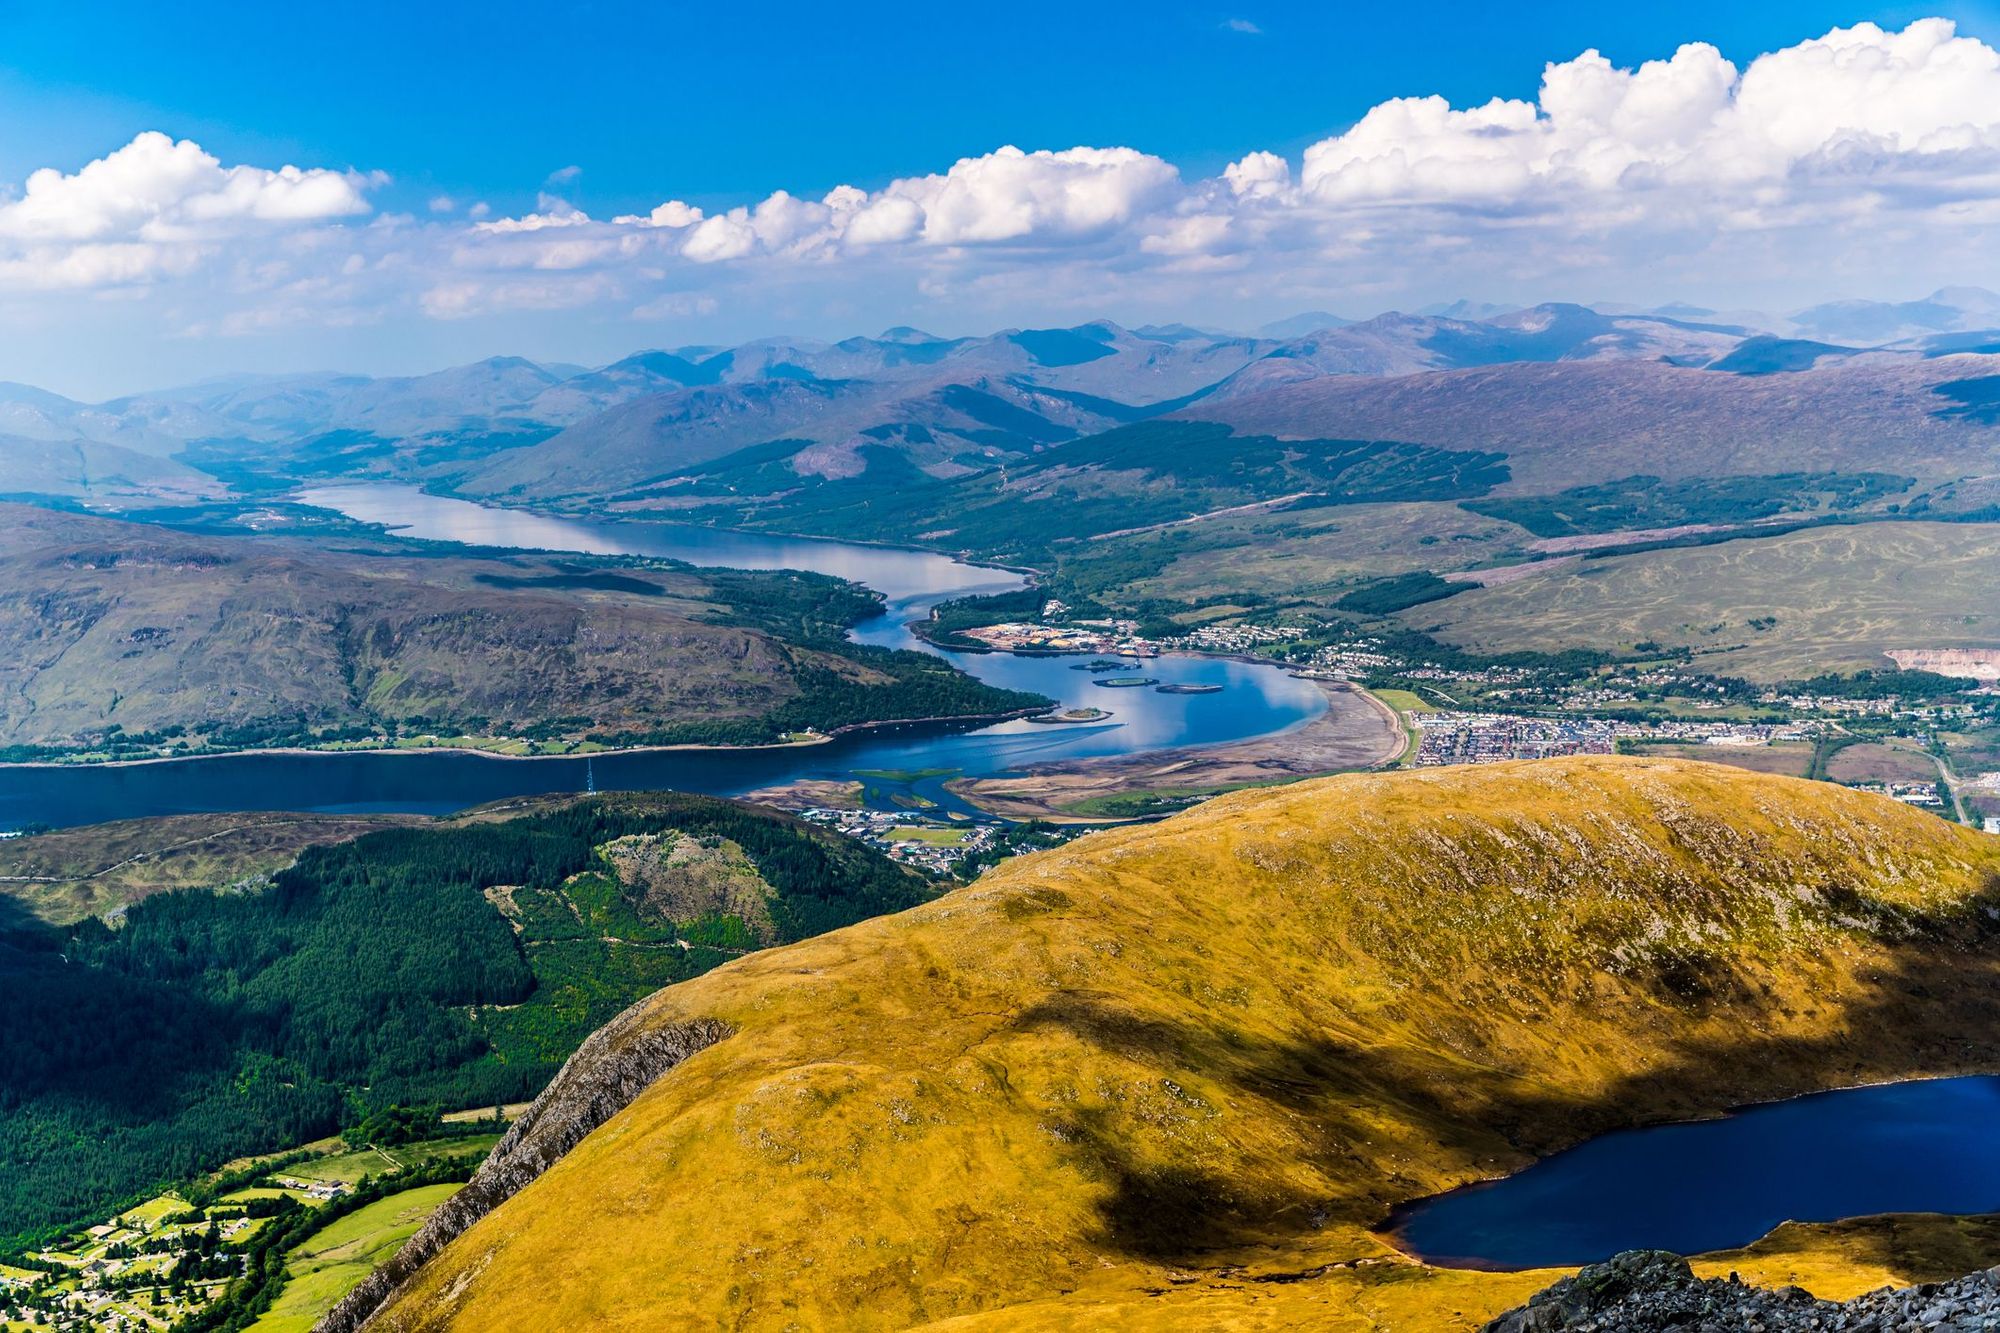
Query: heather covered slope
(1172, 1075)
(1564, 424)
(117, 635)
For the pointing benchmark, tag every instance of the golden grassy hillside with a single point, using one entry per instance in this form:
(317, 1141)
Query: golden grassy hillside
(1172, 1075)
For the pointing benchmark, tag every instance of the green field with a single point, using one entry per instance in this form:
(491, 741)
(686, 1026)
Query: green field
(1825, 599)
(1405, 703)
(937, 837)
(329, 1265)
(352, 1166)
(1791, 758)
(1873, 762)
(149, 1213)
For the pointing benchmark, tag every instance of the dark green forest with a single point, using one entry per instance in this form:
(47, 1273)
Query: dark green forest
(372, 973)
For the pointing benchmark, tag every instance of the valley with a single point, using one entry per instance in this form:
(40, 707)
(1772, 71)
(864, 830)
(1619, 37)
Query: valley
(431, 633)
(130, 641)
(1183, 1072)
(999, 670)
(1474, 476)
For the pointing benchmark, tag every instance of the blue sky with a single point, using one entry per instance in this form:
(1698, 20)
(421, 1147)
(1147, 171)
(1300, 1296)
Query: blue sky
(714, 103)
(477, 176)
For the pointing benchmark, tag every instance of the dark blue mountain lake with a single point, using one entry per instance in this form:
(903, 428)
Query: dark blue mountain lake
(1925, 1146)
(1254, 700)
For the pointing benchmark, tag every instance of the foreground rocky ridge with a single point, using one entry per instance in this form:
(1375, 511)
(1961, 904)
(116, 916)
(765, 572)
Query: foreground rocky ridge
(614, 1065)
(1179, 1075)
(1650, 1291)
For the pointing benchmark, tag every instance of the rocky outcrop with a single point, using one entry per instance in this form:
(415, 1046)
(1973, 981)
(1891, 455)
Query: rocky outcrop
(1978, 663)
(618, 1062)
(1640, 1291)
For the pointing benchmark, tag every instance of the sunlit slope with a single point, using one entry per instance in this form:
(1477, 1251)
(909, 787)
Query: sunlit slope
(1175, 1073)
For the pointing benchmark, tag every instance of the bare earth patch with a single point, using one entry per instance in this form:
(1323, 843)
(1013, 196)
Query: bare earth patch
(685, 878)
(809, 794)
(1356, 731)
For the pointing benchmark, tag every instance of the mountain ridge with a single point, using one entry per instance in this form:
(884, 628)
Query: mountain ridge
(1175, 1075)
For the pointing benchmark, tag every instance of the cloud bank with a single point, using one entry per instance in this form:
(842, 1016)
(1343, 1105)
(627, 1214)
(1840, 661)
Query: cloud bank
(1860, 153)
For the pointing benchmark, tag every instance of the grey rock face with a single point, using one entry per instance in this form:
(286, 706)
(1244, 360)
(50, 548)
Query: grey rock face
(1641, 1291)
(618, 1062)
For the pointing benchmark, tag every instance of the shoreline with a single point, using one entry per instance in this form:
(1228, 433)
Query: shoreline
(1390, 1229)
(916, 628)
(628, 516)
(1339, 739)
(824, 738)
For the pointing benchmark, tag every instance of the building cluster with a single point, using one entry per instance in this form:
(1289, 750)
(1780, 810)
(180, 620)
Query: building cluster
(1352, 660)
(1910, 793)
(1236, 638)
(1357, 659)
(936, 846)
(316, 1191)
(1119, 638)
(1838, 705)
(1486, 738)
(121, 1275)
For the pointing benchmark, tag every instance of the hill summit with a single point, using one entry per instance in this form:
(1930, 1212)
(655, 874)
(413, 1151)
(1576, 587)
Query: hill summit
(1178, 1075)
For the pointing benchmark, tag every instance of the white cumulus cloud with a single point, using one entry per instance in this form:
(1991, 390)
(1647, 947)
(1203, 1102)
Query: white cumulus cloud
(1872, 107)
(154, 208)
(1864, 156)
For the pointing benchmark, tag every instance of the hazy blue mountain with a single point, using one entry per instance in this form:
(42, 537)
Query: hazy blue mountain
(1298, 326)
(779, 434)
(1947, 310)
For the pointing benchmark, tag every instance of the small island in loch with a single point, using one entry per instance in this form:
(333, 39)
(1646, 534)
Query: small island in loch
(1070, 716)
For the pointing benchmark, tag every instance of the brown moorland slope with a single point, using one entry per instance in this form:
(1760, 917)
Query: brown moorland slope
(1767, 608)
(1172, 1076)
(1570, 423)
(67, 874)
(108, 624)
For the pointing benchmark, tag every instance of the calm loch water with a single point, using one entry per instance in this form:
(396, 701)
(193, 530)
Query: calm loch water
(1927, 1146)
(1253, 700)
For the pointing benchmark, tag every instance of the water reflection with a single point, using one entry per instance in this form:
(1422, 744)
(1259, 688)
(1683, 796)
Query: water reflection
(1255, 700)
(1923, 1146)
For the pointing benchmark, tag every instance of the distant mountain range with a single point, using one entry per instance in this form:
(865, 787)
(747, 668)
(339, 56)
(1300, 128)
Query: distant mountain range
(679, 428)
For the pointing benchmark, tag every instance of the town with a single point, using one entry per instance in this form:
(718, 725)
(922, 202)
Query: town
(937, 847)
(1484, 738)
(1056, 632)
(170, 1262)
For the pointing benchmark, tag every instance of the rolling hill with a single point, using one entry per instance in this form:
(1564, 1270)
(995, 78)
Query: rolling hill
(122, 634)
(1767, 608)
(1173, 1076)
(508, 426)
(452, 962)
(1564, 424)
(769, 437)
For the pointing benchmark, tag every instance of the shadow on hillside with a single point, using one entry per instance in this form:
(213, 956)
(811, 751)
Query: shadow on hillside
(18, 925)
(1936, 1010)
